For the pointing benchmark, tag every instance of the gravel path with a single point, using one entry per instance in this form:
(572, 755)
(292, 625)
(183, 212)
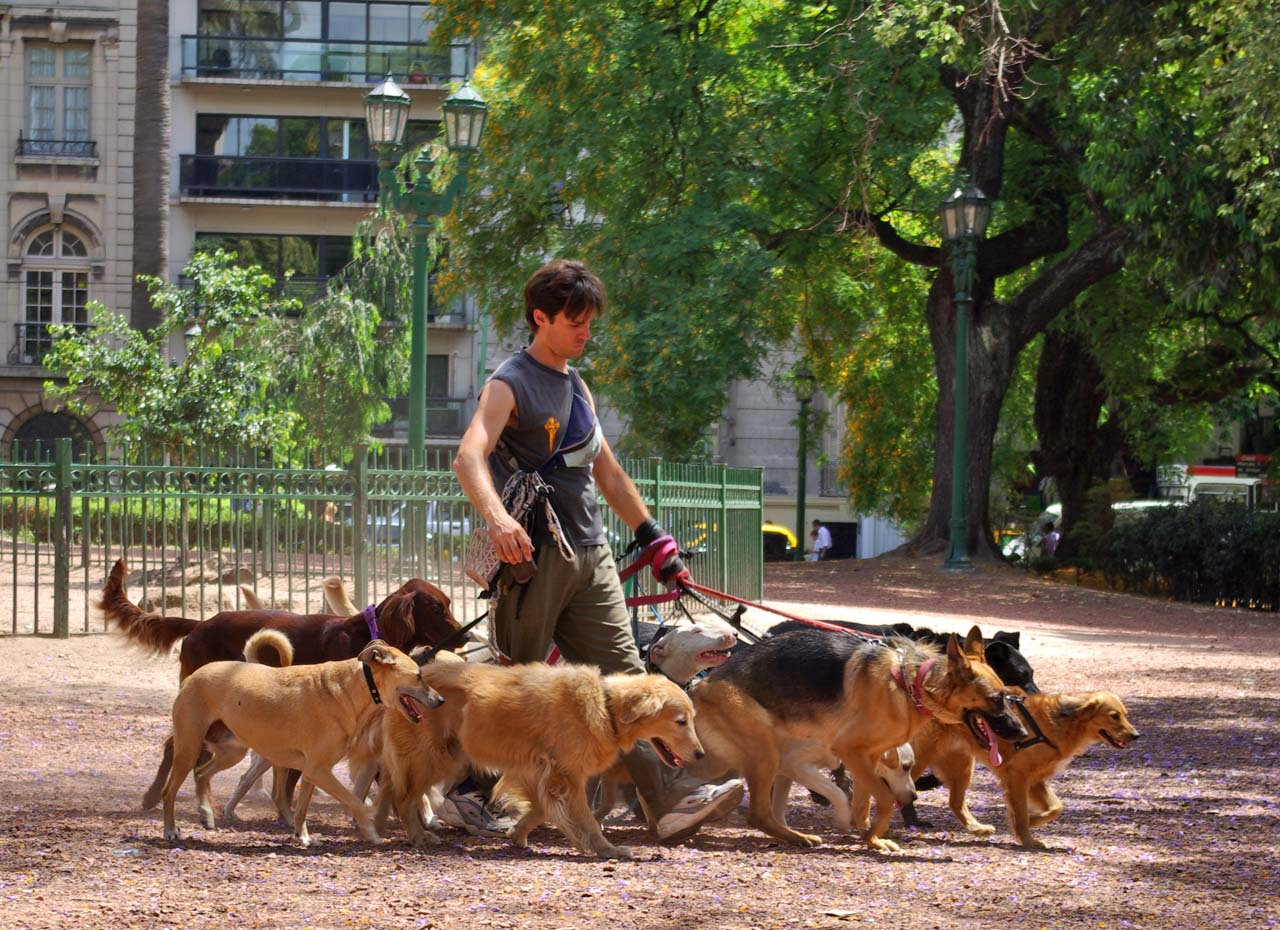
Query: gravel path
(1177, 832)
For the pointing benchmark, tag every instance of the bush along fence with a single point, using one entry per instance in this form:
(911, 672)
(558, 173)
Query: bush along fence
(194, 533)
(1207, 552)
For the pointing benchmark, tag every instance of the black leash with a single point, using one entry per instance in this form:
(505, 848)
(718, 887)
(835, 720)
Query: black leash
(456, 636)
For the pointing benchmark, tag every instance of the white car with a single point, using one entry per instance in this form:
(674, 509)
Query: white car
(1027, 545)
(443, 517)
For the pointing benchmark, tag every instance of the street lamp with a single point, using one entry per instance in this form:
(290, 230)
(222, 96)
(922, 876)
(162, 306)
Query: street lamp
(386, 114)
(964, 222)
(804, 383)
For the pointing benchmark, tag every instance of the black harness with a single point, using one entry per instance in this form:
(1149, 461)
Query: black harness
(1037, 735)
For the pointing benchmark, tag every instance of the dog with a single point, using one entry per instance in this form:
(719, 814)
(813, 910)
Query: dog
(1063, 725)
(336, 598)
(793, 703)
(680, 652)
(546, 728)
(416, 614)
(302, 716)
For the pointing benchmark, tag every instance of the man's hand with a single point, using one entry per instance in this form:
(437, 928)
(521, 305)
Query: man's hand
(510, 541)
(672, 571)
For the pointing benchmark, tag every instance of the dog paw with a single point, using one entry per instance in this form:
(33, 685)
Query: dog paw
(229, 816)
(172, 835)
(207, 820)
(615, 852)
(981, 829)
(880, 844)
(1030, 842)
(426, 838)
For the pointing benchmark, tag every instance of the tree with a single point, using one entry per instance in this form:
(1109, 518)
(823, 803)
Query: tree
(152, 129)
(221, 395)
(709, 152)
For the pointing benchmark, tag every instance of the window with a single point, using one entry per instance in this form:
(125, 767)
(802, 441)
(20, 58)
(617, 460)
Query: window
(58, 101)
(297, 136)
(312, 259)
(334, 20)
(55, 289)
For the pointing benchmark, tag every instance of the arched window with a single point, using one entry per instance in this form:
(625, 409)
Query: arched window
(35, 439)
(55, 289)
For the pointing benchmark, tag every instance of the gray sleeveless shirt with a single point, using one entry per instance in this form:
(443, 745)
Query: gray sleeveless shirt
(553, 419)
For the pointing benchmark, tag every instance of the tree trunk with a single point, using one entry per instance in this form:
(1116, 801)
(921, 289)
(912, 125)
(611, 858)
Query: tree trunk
(152, 127)
(1075, 448)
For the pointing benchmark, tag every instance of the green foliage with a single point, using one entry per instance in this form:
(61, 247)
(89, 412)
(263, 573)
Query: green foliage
(220, 394)
(1207, 552)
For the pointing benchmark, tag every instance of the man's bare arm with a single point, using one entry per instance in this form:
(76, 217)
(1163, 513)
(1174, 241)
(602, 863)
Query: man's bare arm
(494, 411)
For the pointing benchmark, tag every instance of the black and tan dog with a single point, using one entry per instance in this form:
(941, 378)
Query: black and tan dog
(305, 717)
(1062, 726)
(784, 707)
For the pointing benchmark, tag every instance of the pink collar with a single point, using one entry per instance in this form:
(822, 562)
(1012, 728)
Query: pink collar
(916, 691)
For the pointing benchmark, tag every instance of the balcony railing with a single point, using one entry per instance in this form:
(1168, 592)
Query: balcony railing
(445, 418)
(316, 60)
(266, 177)
(32, 341)
(58, 148)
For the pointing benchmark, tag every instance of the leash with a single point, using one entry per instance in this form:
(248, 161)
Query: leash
(1033, 725)
(456, 636)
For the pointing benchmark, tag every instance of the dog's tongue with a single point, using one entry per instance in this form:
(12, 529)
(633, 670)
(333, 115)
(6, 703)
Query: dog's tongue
(993, 753)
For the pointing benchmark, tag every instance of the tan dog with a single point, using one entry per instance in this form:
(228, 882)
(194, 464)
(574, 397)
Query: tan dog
(792, 704)
(336, 598)
(1068, 724)
(304, 717)
(546, 728)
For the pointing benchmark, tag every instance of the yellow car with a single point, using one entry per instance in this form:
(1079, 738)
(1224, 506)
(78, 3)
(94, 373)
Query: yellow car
(779, 542)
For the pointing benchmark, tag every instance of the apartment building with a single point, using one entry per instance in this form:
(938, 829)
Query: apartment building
(66, 191)
(271, 158)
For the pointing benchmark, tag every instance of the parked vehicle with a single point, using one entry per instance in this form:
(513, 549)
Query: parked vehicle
(779, 542)
(449, 519)
(1027, 545)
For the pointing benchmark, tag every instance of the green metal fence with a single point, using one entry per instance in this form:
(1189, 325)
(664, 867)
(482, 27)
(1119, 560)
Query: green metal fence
(193, 534)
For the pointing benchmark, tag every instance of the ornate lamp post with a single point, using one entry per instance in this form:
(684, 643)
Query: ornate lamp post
(804, 385)
(386, 113)
(964, 222)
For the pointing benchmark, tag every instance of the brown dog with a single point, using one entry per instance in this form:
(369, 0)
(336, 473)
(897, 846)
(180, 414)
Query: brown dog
(1062, 725)
(417, 614)
(546, 728)
(305, 717)
(792, 704)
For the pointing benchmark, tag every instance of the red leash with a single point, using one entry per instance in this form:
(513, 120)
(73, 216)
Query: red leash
(721, 595)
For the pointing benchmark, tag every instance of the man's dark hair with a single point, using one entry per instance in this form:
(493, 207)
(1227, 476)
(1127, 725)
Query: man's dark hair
(563, 284)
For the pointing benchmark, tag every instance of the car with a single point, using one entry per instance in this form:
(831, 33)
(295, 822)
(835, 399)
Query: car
(779, 542)
(1016, 548)
(444, 517)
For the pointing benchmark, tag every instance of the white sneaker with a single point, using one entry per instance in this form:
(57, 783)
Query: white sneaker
(705, 803)
(470, 811)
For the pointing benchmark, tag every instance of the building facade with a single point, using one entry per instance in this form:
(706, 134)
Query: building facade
(66, 118)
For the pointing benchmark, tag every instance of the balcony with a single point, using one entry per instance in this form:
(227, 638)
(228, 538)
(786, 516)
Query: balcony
(259, 59)
(32, 341)
(269, 178)
(56, 148)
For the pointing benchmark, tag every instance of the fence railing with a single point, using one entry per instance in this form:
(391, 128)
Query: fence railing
(193, 533)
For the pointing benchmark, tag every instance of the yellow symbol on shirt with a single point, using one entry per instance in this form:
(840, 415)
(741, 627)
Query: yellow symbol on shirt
(552, 426)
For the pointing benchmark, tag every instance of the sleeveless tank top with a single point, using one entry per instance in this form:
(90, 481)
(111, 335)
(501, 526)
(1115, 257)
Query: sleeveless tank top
(556, 434)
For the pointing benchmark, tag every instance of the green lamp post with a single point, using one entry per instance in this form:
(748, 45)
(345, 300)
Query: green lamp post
(964, 222)
(386, 114)
(805, 384)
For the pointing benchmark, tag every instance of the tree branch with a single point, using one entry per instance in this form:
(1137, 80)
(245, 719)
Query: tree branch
(1040, 301)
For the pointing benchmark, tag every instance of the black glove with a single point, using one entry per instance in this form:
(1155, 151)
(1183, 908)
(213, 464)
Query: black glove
(673, 570)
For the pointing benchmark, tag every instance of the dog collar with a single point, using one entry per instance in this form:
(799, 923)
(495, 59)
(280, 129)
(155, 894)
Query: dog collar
(368, 680)
(916, 690)
(371, 619)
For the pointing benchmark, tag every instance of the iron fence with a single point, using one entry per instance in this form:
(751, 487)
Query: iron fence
(193, 533)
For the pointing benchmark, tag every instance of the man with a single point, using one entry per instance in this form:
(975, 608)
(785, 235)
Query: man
(821, 540)
(535, 420)
(1049, 545)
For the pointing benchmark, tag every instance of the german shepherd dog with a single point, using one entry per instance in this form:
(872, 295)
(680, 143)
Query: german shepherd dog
(784, 707)
(1063, 725)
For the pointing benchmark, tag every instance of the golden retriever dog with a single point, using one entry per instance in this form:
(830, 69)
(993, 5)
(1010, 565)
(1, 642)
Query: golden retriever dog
(303, 716)
(1062, 726)
(793, 704)
(546, 728)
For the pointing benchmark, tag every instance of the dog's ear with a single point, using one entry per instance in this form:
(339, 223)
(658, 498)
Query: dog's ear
(1013, 639)
(1074, 705)
(661, 648)
(955, 654)
(637, 704)
(973, 645)
(378, 651)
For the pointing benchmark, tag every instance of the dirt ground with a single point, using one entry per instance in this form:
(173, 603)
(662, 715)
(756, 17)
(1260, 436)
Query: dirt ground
(1178, 831)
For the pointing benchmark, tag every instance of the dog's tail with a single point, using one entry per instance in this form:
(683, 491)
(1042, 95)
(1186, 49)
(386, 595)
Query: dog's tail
(269, 647)
(251, 599)
(337, 599)
(150, 631)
